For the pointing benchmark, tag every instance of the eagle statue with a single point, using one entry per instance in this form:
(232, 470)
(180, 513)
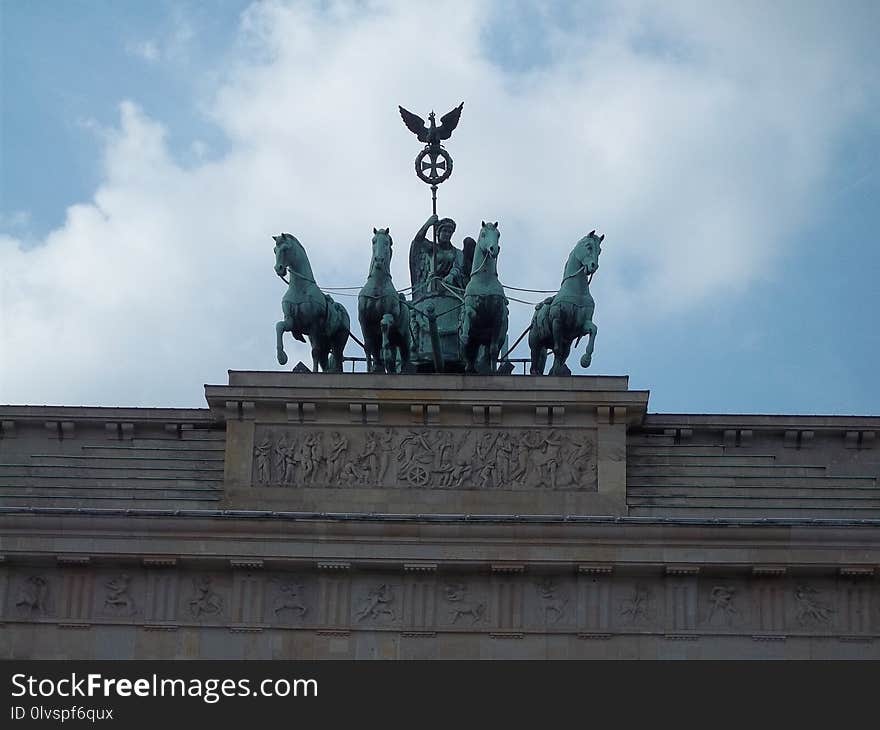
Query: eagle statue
(431, 134)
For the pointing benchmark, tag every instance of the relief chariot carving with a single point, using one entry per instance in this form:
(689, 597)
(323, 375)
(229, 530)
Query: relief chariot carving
(425, 458)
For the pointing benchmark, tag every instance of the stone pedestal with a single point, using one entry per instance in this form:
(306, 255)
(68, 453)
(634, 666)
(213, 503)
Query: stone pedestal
(426, 444)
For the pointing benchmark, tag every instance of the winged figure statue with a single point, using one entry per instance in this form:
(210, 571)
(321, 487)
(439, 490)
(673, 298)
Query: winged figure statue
(431, 134)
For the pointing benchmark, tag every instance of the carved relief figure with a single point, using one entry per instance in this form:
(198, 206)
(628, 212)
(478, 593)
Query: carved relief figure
(553, 602)
(279, 452)
(33, 596)
(638, 608)
(353, 475)
(548, 459)
(529, 443)
(290, 462)
(386, 451)
(262, 454)
(504, 457)
(721, 599)
(809, 609)
(117, 598)
(312, 454)
(289, 598)
(455, 594)
(205, 599)
(370, 456)
(485, 453)
(576, 460)
(336, 457)
(377, 604)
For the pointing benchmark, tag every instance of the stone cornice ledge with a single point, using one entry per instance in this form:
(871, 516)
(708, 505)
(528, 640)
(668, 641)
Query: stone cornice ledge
(561, 545)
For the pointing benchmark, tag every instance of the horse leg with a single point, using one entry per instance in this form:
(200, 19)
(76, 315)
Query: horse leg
(561, 348)
(366, 331)
(587, 357)
(322, 347)
(497, 342)
(338, 338)
(403, 345)
(536, 348)
(285, 325)
(493, 350)
(371, 347)
(316, 353)
(338, 349)
(401, 335)
(539, 357)
(469, 347)
(280, 329)
(388, 353)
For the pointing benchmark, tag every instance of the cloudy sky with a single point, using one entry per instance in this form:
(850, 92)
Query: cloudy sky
(728, 151)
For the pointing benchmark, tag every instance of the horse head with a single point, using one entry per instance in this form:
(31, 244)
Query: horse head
(487, 242)
(382, 250)
(291, 254)
(586, 252)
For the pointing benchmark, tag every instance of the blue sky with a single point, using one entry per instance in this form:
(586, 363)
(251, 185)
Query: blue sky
(729, 152)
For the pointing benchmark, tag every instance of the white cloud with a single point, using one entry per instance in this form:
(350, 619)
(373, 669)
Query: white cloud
(145, 50)
(172, 46)
(695, 137)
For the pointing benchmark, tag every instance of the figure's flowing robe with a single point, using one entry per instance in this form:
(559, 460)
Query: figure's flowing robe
(450, 266)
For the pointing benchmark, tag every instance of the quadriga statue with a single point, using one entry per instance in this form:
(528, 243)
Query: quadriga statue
(568, 315)
(307, 310)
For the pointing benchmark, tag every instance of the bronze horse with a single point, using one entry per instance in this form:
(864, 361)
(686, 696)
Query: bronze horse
(307, 310)
(561, 319)
(382, 312)
(483, 324)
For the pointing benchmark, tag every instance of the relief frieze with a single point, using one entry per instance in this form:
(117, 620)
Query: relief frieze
(424, 458)
(556, 603)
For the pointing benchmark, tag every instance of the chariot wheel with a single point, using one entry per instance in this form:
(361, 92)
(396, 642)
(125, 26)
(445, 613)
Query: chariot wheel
(418, 476)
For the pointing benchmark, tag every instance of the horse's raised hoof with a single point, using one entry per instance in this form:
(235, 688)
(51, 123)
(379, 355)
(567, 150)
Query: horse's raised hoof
(282, 357)
(586, 360)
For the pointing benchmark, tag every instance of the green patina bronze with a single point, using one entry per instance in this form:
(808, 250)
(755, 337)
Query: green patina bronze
(307, 310)
(457, 317)
(561, 319)
(483, 330)
(383, 313)
(438, 267)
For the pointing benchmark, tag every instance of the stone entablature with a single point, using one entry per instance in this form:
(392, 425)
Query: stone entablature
(458, 585)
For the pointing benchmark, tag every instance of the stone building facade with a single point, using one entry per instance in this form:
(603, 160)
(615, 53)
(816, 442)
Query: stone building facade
(435, 516)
